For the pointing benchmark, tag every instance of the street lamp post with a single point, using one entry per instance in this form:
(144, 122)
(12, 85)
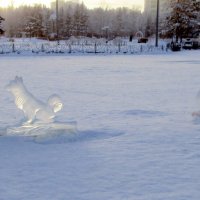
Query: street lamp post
(57, 28)
(157, 21)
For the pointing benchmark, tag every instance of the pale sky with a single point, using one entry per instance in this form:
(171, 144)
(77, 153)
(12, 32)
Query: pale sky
(88, 3)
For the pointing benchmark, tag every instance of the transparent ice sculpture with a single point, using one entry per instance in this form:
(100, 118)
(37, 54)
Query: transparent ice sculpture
(39, 116)
(196, 114)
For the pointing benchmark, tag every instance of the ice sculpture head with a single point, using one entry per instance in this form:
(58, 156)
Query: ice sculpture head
(34, 109)
(15, 85)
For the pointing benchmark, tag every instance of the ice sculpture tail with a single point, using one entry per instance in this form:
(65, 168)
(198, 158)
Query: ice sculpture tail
(55, 103)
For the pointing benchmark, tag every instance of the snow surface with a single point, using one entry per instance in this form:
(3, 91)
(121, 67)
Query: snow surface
(136, 136)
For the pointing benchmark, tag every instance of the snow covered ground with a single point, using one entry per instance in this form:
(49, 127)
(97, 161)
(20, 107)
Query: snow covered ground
(136, 137)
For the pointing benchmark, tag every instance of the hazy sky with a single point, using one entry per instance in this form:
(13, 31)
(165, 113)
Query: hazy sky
(88, 3)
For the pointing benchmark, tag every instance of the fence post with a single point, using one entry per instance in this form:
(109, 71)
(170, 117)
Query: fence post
(119, 47)
(42, 48)
(13, 47)
(141, 49)
(95, 47)
(70, 48)
(82, 46)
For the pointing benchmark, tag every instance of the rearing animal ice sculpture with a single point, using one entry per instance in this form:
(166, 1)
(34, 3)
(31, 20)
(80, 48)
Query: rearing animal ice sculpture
(34, 110)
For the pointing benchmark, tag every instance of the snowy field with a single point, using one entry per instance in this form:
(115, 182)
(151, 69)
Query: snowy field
(136, 140)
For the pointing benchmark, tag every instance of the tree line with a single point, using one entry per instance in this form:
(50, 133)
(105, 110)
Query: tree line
(74, 19)
(183, 20)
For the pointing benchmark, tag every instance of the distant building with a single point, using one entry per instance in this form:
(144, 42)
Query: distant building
(61, 3)
(53, 4)
(150, 8)
(150, 12)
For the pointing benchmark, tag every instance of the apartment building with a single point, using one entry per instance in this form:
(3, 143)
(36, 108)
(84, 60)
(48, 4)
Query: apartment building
(150, 8)
(62, 3)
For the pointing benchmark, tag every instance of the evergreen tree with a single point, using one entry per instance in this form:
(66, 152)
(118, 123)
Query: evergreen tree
(34, 23)
(46, 23)
(83, 20)
(80, 20)
(1, 29)
(68, 26)
(183, 19)
(119, 26)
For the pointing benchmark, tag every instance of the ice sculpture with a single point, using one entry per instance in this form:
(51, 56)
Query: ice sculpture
(196, 114)
(39, 116)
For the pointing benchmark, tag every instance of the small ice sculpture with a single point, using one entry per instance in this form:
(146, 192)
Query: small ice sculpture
(40, 117)
(196, 114)
(33, 108)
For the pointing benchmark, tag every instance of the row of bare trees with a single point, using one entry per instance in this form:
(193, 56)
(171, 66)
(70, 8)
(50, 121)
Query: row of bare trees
(74, 19)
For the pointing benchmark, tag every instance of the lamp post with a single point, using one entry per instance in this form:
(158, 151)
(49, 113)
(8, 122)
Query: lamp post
(157, 21)
(57, 28)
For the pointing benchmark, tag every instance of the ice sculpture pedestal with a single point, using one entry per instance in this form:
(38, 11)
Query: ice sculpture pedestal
(38, 129)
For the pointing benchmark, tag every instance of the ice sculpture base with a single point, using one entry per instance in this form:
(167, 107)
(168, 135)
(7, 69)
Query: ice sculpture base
(42, 129)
